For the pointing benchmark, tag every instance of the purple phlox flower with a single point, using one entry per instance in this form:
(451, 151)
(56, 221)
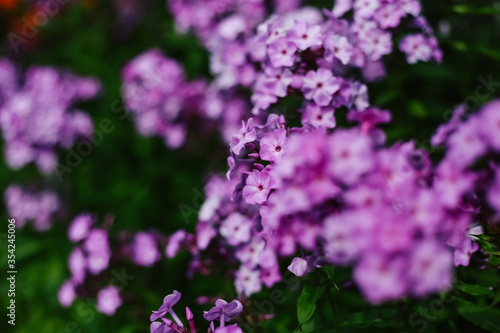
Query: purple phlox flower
(250, 254)
(489, 123)
(231, 328)
(381, 278)
(369, 117)
(443, 132)
(359, 96)
(258, 185)
(98, 261)
(389, 15)
(234, 54)
(245, 135)
(159, 327)
(338, 47)
(108, 300)
(168, 302)
(373, 71)
(175, 136)
(452, 183)
(351, 155)
(96, 241)
(430, 268)
(318, 116)
(493, 194)
(337, 233)
(412, 7)
(77, 264)
(247, 75)
(343, 95)
(273, 122)
(269, 276)
(66, 294)
(174, 243)
(145, 249)
(463, 252)
(277, 80)
(361, 26)
(190, 319)
(272, 145)
(320, 86)
(341, 7)
(247, 281)
(231, 27)
(282, 52)
(262, 97)
(223, 311)
(365, 8)
(299, 266)
(416, 47)
(205, 232)
(305, 35)
(236, 228)
(27, 205)
(376, 43)
(231, 162)
(465, 145)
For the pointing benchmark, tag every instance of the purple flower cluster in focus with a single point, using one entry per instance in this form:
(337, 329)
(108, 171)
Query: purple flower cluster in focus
(37, 116)
(280, 54)
(343, 197)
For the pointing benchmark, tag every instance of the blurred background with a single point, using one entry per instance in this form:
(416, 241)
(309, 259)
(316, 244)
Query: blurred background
(139, 184)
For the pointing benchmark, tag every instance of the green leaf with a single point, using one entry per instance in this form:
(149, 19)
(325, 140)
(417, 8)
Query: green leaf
(486, 244)
(306, 304)
(329, 271)
(475, 290)
(460, 9)
(417, 109)
(480, 315)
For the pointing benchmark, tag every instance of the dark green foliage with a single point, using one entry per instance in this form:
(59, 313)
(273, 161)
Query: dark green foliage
(143, 184)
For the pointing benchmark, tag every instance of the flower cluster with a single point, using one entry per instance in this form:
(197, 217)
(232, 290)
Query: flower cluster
(296, 51)
(223, 312)
(467, 143)
(24, 206)
(97, 252)
(37, 117)
(91, 256)
(344, 198)
(292, 188)
(165, 104)
(288, 52)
